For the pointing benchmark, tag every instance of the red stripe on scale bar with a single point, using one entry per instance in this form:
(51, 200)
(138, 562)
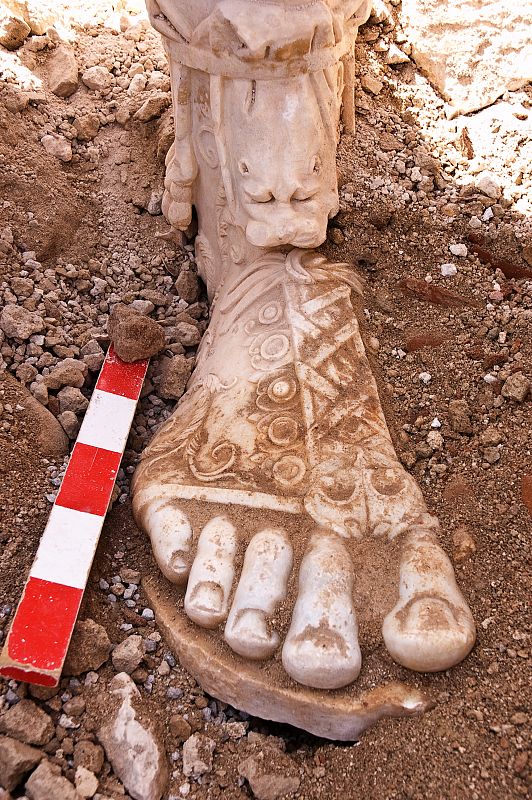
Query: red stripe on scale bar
(41, 630)
(121, 378)
(89, 479)
(42, 627)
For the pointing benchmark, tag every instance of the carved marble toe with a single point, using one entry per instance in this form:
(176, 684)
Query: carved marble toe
(429, 634)
(431, 627)
(321, 647)
(171, 538)
(262, 586)
(211, 575)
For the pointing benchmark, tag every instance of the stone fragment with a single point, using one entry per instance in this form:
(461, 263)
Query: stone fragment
(460, 416)
(152, 108)
(197, 755)
(128, 654)
(371, 84)
(97, 78)
(516, 387)
(89, 648)
(63, 71)
(389, 142)
(19, 323)
(16, 760)
(459, 250)
(39, 14)
(13, 29)
(187, 285)
(70, 423)
(87, 126)
(50, 439)
(28, 723)
(463, 543)
(179, 728)
(271, 774)
(188, 335)
(71, 399)
(69, 372)
(47, 783)
(395, 55)
(472, 52)
(92, 355)
(86, 782)
(89, 755)
(429, 293)
(134, 336)
(448, 270)
(136, 755)
(488, 183)
(175, 373)
(57, 146)
(421, 340)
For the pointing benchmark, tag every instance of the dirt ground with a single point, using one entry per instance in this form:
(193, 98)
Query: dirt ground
(408, 193)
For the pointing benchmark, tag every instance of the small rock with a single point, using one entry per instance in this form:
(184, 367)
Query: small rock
(336, 236)
(464, 544)
(371, 84)
(516, 387)
(130, 575)
(421, 340)
(187, 335)
(19, 323)
(175, 373)
(88, 755)
(71, 399)
(86, 782)
(179, 728)
(389, 142)
(395, 55)
(92, 355)
(47, 783)
(16, 759)
(447, 270)
(128, 654)
(425, 378)
(75, 707)
(460, 416)
(459, 250)
(87, 126)
(63, 71)
(89, 648)
(69, 372)
(136, 755)
(488, 183)
(70, 424)
(57, 146)
(197, 755)
(153, 107)
(153, 206)
(187, 285)
(97, 78)
(269, 776)
(13, 29)
(134, 336)
(28, 723)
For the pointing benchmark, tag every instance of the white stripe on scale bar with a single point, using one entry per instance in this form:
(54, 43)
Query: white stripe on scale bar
(67, 547)
(107, 421)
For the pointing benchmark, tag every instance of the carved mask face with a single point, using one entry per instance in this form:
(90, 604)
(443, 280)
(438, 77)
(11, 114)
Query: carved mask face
(280, 158)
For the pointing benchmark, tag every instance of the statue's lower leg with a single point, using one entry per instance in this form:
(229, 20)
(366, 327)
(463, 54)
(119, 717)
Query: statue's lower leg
(269, 488)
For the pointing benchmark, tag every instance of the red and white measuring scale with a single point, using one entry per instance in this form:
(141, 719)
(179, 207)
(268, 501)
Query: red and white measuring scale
(38, 640)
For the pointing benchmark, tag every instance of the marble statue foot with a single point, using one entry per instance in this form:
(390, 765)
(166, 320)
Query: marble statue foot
(274, 478)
